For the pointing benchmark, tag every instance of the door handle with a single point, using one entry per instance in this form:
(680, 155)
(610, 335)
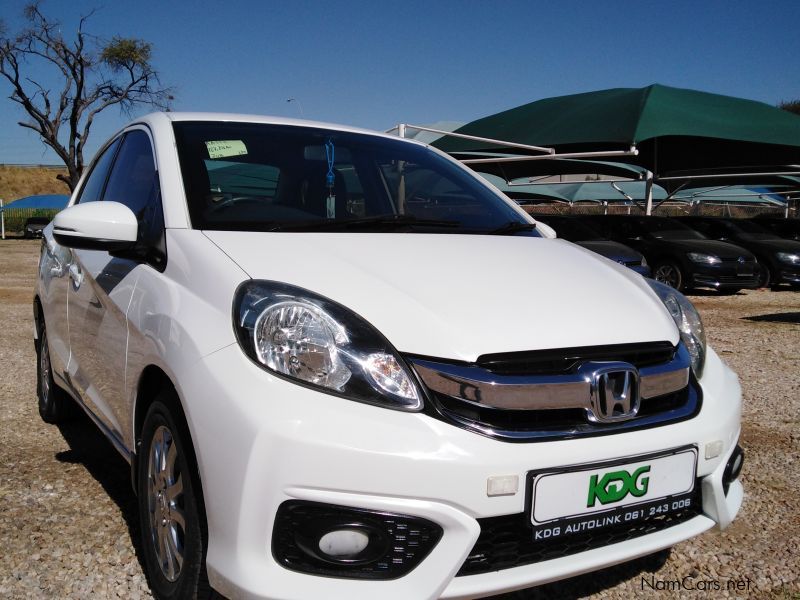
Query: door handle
(76, 275)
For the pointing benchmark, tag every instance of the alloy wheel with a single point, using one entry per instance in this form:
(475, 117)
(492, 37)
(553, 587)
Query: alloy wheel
(44, 373)
(668, 274)
(165, 503)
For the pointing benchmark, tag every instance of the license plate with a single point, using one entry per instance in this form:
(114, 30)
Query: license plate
(584, 498)
(745, 269)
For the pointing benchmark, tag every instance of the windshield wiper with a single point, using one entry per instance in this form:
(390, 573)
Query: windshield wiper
(392, 221)
(512, 227)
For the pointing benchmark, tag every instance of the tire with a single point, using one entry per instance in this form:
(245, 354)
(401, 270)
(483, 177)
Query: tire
(669, 273)
(55, 405)
(765, 277)
(655, 562)
(171, 513)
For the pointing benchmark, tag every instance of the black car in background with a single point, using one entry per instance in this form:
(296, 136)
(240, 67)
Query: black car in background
(581, 233)
(34, 226)
(680, 256)
(779, 257)
(785, 228)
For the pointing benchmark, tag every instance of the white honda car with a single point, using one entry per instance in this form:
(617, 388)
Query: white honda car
(341, 365)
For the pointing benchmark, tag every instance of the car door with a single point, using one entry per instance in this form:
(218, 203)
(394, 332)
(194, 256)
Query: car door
(103, 286)
(58, 273)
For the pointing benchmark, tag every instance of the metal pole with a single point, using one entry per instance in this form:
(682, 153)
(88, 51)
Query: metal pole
(648, 193)
(482, 139)
(504, 159)
(401, 130)
(3, 218)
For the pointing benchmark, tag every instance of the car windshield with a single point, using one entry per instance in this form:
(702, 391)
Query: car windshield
(261, 177)
(747, 230)
(572, 230)
(668, 229)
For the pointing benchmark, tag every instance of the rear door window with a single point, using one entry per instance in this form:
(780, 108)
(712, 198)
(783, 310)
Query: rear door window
(92, 188)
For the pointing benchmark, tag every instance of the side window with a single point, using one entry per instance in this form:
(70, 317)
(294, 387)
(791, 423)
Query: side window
(134, 183)
(93, 186)
(133, 179)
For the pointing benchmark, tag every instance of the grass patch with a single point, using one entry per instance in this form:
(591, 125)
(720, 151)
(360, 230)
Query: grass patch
(18, 182)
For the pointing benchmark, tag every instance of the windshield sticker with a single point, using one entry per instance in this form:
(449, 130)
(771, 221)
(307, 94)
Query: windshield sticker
(225, 148)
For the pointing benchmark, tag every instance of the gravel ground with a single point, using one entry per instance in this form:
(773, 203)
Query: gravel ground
(69, 529)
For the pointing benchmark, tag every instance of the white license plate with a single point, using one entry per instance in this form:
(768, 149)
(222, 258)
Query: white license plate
(587, 497)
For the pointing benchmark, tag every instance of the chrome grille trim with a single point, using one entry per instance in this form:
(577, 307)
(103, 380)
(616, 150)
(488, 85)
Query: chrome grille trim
(475, 385)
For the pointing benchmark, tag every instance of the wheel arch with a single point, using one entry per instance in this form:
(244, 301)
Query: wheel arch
(155, 385)
(153, 381)
(38, 317)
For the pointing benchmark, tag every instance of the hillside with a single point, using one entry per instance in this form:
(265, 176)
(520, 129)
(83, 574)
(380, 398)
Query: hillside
(18, 182)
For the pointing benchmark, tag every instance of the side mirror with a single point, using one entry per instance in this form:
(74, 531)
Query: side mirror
(109, 226)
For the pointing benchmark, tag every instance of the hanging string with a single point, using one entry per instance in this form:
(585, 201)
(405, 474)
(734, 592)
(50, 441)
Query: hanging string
(330, 178)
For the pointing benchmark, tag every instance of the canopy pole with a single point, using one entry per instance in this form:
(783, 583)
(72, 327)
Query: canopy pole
(3, 218)
(401, 130)
(785, 210)
(648, 192)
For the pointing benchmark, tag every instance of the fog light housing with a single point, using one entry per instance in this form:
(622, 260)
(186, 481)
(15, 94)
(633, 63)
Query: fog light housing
(733, 469)
(353, 543)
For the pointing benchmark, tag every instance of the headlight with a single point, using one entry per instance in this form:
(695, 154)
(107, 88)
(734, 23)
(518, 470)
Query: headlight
(688, 321)
(788, 258)
(706, 259)
(314, 341)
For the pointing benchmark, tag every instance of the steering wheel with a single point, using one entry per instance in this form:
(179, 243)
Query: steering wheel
(232, 201)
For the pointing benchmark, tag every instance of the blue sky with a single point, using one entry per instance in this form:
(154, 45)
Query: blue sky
(374, 64)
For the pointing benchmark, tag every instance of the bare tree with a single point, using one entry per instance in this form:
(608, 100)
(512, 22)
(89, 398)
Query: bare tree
(91, 75)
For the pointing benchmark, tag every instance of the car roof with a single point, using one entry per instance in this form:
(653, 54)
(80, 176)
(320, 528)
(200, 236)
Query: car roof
(160, 119)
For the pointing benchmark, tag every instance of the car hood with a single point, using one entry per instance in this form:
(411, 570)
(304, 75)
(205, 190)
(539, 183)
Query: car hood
(461, 296)
(773, 245)
(613, 250)
(721, 249)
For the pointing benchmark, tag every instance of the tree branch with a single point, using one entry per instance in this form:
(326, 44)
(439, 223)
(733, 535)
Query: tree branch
(93, 75)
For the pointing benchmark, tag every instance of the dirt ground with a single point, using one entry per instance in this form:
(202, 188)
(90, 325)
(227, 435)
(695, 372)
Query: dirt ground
(69, 529)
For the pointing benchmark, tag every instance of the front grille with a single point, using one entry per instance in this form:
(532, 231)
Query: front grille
(567, 423)
(565, 360)
(544, 394)
(507, 541)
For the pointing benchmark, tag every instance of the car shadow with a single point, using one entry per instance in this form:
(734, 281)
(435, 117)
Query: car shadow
(88, 447)
(595, 582)
(787, 317)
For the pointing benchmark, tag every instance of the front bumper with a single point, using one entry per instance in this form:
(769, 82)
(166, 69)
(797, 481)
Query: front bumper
(262, 441)
(789, 275)
(721, 279)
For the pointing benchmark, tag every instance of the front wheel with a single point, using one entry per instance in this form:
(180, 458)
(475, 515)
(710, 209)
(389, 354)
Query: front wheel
(669, 273)
(173, 539)
(765, 278)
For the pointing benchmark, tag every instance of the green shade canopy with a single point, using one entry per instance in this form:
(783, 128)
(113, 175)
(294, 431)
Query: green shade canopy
(735, 193)
(590, 191)
(542, 168)
(606, 192)
(674, 129)
(525, 192)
